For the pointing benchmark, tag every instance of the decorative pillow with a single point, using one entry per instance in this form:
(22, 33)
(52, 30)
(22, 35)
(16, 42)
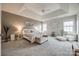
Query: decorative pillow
(25, 31)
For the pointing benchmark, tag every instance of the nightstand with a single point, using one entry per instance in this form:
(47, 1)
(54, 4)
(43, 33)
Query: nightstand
(12, 37)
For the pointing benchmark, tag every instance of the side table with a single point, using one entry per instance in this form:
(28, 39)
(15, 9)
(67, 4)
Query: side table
(12, 37)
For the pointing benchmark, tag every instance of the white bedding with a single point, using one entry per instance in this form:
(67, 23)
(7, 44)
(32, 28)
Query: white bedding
(31, 35)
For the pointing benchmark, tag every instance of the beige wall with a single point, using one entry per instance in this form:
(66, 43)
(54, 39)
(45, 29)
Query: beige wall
(15, 22)
(0, 29)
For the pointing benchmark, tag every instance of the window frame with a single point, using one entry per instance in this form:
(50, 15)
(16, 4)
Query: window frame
(66, 26)
(41, 27)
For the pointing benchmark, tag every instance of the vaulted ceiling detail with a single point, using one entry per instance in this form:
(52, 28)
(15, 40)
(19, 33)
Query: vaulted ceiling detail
(42, 11)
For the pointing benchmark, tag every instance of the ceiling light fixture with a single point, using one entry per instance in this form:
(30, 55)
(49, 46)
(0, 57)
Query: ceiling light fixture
(43, 10)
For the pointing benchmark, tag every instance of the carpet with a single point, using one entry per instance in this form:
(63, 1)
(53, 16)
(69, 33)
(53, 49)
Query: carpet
(52, 47)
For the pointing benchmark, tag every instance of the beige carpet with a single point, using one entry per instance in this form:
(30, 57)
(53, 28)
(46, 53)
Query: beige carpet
(52, 47)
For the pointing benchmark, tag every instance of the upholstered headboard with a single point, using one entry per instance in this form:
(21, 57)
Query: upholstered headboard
(24, 31)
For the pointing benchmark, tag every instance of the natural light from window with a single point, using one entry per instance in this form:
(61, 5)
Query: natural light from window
(41, 28)
(68, 26)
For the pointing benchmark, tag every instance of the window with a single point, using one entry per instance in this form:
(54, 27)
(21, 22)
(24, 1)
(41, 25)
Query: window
(44, 27)
(38, 28)
(41, 28)
(68, 26)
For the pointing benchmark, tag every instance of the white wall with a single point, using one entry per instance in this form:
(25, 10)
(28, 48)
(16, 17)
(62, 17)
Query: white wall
(56, 25)
(78, 26)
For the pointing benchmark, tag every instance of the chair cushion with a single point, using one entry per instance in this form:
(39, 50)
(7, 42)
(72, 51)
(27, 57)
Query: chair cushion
(61, 38)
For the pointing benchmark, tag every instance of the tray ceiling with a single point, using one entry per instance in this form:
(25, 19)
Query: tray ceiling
(41, 11)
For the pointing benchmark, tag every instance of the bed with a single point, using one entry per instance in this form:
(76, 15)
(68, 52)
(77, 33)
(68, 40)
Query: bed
(34, 36)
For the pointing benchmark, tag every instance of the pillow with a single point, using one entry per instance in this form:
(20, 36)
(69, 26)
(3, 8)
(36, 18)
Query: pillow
(25, 31)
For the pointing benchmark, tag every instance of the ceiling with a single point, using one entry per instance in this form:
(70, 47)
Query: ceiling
(42, 11)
